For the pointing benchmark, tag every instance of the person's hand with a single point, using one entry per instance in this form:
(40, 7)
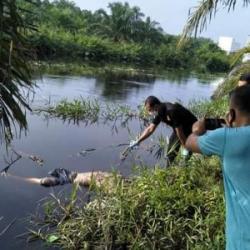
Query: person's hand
(133, 144)
(199, 127)
(184, 152)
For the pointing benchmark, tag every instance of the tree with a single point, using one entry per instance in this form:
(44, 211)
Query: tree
(204, 12)
(120, 25)
(149, 32)
(14, 68)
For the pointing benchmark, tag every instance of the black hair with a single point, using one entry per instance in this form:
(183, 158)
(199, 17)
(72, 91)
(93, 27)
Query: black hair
(240, 97)
(245, 77)
(152, 101)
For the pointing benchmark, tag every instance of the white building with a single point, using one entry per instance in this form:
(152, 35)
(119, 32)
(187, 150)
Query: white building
(246, 57)
(248, 41)
(228, 44)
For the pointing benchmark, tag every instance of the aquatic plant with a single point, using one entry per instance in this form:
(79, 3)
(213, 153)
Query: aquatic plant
(78, 109)
(91, 110)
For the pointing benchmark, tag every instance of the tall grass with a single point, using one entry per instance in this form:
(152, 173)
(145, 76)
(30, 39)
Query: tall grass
(174, 208)
(213, 109)
(92, 110)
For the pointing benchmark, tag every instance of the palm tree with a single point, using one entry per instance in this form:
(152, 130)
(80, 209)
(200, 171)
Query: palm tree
(149, 31)
(15, 74)
(198, 20)
(120, 25)
(200, 15)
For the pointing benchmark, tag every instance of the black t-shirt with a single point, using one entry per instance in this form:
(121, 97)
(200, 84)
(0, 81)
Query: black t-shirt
(175, 115)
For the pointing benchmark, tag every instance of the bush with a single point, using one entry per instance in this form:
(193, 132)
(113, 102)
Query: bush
(217, 63)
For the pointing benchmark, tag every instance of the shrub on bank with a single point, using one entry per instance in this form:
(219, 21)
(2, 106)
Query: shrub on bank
(59, 44)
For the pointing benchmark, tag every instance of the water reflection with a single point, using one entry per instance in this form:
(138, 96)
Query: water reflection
(123, 88)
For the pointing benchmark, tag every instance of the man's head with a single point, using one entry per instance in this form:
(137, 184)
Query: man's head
(244, 80)
(152, 103)
(239, 107)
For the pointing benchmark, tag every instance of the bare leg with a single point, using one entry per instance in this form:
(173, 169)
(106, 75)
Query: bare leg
(26, 179)
(85, 179)
(46, 181)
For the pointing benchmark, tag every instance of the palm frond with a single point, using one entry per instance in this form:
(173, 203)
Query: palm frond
(200, 16)
(15, 75)
(239, 54)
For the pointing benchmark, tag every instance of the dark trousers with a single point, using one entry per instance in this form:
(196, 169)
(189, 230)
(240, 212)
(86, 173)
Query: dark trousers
(173, 148)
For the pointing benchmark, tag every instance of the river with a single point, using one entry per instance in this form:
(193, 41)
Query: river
(59, 142)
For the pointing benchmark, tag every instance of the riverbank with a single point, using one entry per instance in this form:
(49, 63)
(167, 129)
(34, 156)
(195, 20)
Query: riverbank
(115, 71)
(178, 207)
(181, 208)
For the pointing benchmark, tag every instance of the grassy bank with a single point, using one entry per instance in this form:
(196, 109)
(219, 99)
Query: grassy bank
(177, 208)
(174, 208)
(81, 68)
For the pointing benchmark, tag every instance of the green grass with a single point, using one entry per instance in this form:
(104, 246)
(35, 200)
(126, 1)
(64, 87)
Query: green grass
(210, 109)
(78, 109)
(174, 208)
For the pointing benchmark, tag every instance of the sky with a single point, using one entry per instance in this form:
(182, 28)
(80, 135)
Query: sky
(172, 16)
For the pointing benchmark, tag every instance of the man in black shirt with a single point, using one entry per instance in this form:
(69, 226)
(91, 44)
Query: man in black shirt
(174, 115)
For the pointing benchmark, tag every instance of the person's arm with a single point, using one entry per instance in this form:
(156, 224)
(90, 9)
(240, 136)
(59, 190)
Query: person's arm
(175, 118)
(192, 143)
(147, 132)
(180, 134)
(198, 128)
(207, 143)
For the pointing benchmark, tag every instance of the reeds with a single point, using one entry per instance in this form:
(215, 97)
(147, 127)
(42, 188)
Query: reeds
(78, 109)
(91, 110)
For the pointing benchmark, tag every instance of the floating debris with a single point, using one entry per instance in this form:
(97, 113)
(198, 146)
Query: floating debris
(86, 151)
(125, 153)
(17, 155)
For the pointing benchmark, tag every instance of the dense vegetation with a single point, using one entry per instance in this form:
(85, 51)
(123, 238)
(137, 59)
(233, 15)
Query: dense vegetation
(125, 35)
